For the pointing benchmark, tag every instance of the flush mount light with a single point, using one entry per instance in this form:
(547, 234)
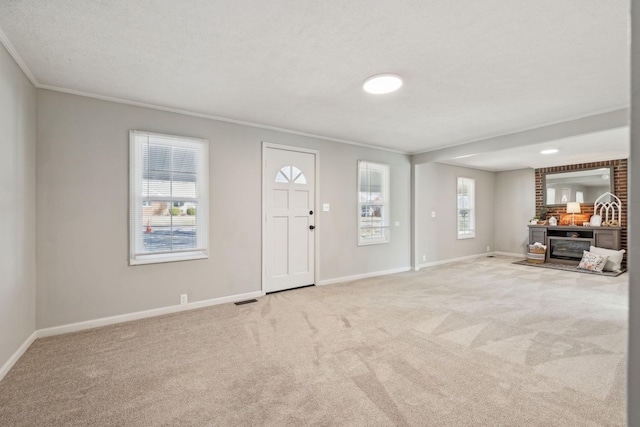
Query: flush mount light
(382, 83)
(549, 151)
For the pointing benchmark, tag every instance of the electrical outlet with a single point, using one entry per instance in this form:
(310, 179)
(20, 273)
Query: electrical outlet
(488, 248)
(424, 258)
(183, 299)
(433, 214)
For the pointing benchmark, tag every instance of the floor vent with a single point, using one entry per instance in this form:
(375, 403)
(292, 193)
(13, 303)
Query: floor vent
(490, 256)
(249, 301)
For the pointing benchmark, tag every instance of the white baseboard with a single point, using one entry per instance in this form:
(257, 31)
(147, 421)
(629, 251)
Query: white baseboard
(363, 276)
(17, 355)
(450, 260)
(512, 254)
(104, 321)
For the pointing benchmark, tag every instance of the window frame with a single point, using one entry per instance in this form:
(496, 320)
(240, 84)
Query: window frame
(385, 211)
(469, 233)
(136, 198)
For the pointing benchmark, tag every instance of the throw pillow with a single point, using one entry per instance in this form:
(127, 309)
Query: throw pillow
(614, 263)
(592, 262)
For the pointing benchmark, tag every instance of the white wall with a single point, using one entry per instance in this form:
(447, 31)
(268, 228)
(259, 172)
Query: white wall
(515, 206)
(436, 189)
(83, 198)
(17, 215)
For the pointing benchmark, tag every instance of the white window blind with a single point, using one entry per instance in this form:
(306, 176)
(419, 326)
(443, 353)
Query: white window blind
(373, 203)
(551, 196)
(168, 206)
(466, 208)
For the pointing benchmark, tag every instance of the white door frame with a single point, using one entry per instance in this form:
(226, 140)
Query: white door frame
(316, 203)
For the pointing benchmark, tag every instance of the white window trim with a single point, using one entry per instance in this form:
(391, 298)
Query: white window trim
(472, 202)
(386, 224)
(135, 194)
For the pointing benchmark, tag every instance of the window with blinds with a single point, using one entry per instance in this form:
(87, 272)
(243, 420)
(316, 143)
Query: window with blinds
(466, 208)
(373, 203)
(168, 179)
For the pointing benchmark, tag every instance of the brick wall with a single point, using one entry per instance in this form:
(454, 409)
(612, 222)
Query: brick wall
(619, 185)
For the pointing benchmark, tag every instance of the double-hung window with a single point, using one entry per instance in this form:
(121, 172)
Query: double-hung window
(168, 206)
(373, 203)
(466, 208)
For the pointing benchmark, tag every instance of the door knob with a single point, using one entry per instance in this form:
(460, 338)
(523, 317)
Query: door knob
(312, 227)
(310, 212)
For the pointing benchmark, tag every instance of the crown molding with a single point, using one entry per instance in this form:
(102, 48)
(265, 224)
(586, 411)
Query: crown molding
(212, 117)
(27, 72)
(16, 57)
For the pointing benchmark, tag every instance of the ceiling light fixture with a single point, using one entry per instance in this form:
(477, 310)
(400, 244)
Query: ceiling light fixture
(549, 151)
(382, 83)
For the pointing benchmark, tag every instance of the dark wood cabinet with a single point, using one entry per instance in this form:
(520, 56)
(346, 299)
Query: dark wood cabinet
(609, 240)
(566, 243)
(538, 234)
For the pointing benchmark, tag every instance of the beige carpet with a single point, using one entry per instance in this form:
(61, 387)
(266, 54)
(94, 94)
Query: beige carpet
(565, 267)
(478, 343)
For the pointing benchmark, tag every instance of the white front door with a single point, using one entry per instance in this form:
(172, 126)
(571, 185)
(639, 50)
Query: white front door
(289, 219)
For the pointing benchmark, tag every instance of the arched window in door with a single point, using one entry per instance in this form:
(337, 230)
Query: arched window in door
(291, 174)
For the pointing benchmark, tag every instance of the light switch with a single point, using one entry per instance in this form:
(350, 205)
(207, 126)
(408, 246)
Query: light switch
(397, 223)
(433, 214)
(325, 207)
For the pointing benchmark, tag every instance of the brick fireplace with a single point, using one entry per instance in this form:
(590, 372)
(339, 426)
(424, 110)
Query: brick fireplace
(619, 186)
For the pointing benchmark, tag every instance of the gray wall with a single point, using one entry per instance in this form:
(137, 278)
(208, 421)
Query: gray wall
(17, 217)
(594, 192)
(436, 185)
(585, 125)
(515, 206)
(83, 198)
(633, 256)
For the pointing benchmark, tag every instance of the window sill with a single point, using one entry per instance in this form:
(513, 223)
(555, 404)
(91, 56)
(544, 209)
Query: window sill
(157, 259)
(466, 236)
(374, 242)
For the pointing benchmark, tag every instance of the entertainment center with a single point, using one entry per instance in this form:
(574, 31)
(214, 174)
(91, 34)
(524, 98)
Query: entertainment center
(565, 244)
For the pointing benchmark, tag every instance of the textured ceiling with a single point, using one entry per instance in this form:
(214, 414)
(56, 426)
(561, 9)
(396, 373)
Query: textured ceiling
(473, 69)
(611, 144)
